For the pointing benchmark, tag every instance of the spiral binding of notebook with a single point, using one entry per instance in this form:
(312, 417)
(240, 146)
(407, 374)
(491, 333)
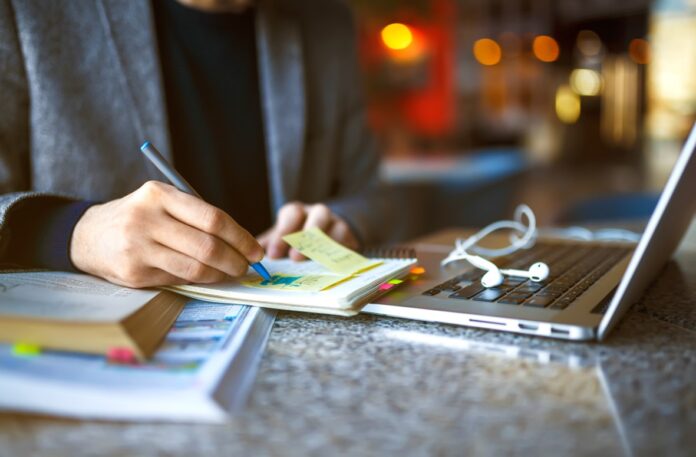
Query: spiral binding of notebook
(390, 252)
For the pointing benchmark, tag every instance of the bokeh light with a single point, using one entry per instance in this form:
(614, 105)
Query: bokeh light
(586, 82)
(639, 50)
(588, 43)
(545, 48)
(487, 51)
(397, 36)
(567, 104)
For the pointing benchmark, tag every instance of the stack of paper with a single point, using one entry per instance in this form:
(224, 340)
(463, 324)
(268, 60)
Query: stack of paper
(78, 312)
(202, 372)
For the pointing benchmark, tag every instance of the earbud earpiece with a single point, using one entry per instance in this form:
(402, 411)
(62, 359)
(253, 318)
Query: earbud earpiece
(492, 278)
(537, 272)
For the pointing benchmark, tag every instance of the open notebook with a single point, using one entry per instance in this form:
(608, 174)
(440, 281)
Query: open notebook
(335, 281)
(345, 297)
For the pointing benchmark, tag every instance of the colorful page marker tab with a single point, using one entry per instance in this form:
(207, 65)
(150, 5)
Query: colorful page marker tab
(26, 349)
(316, 245)
(304, 283)
(122, 355)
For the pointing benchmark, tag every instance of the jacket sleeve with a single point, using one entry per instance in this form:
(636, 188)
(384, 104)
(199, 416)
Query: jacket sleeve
(15, 180)
(362, 199)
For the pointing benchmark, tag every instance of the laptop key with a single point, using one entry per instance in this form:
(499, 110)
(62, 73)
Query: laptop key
(512, 299)
(563, 303)
(490, 294)
(530, 287)
(538, 302)
(431, 292)
(548, 293)
(468, 291)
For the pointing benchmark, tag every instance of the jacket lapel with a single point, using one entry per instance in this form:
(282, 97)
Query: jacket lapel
(130, 29)
(282, 99)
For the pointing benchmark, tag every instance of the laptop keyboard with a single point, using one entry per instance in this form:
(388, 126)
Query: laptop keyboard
(573, 268)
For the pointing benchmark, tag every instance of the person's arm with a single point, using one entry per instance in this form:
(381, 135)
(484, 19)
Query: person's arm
(40, 231)
(14, 127)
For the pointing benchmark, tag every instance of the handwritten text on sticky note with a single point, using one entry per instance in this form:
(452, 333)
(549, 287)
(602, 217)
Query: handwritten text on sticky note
(316, 245)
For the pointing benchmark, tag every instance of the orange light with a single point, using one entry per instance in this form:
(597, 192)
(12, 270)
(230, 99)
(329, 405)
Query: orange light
(417, 270)
(639, 50)
(397, 36)
(487, 51)
(545, 48)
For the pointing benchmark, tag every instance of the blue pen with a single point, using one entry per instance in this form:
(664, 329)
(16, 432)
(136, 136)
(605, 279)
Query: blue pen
(180, 183)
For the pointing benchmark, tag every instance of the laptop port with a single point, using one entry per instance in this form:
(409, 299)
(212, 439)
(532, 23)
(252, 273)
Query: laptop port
(528, 327)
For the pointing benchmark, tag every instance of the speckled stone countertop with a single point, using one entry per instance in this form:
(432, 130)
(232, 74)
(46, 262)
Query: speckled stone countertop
(380, 386)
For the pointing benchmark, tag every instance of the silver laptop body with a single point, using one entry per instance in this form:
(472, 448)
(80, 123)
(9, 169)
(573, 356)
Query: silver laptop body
(593, 313)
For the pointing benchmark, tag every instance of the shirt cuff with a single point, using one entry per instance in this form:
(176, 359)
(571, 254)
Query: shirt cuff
(41, 233)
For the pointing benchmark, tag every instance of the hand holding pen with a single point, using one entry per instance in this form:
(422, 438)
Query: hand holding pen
(159, 235)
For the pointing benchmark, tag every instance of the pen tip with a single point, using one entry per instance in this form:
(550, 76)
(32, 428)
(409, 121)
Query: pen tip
(144, 145)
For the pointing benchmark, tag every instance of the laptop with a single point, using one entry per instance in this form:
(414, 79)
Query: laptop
(591, 285)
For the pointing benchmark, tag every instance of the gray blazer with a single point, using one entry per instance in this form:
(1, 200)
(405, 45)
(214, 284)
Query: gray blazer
(81, 89)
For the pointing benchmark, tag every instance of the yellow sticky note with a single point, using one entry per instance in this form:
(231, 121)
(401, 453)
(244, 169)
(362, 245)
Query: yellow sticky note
(303, 283)
(316, 245)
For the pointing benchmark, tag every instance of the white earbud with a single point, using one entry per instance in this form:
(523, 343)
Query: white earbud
(537, 272)
(523, 237)
(494, 276)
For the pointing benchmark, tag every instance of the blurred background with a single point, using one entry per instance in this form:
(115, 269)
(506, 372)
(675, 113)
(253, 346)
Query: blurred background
(576, 107)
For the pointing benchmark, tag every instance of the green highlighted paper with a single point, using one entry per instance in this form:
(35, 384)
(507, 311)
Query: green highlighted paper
(305, 283)
(316, 245)
(332, 264)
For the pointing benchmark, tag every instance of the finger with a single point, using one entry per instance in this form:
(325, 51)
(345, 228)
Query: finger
(265, 238)
(291, 217)
(205, 248)
(341, 232)
(205, 217)
(184, 267)
(318, 216)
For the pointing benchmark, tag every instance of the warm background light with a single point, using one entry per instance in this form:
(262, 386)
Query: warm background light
(585, 82)
(487, 51)
(397, 36)
(639, 50)
(588, 43)
(545, 48)
(567, 105)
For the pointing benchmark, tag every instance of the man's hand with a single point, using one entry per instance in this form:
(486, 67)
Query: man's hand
(159, 235)
(296, 216)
